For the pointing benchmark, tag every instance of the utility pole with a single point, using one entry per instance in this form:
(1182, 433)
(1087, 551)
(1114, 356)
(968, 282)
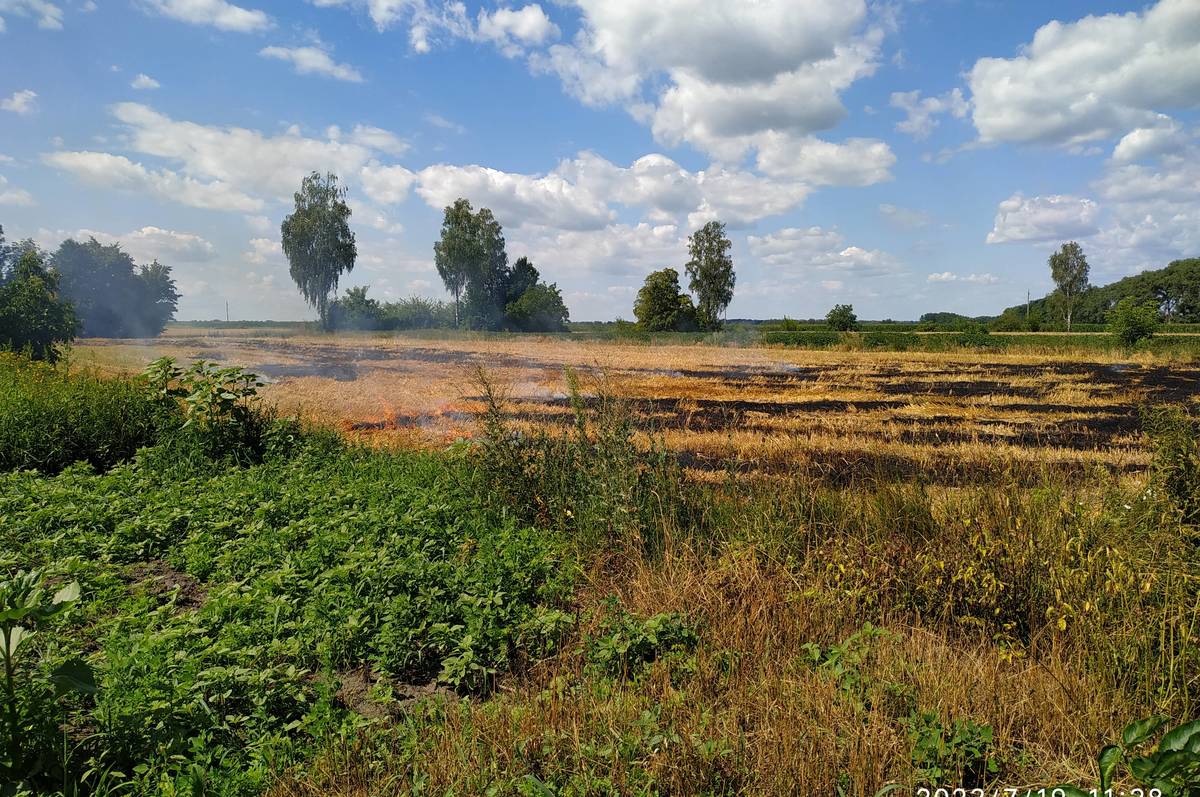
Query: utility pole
(1026, 305)
(226, 311)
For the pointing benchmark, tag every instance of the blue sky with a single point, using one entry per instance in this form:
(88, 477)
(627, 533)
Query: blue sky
(904, 157)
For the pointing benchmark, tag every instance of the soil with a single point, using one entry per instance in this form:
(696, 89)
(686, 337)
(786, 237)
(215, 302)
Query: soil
(159, 579)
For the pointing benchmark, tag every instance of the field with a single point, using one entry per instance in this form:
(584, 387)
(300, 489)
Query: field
(842, 415)
(530, 566)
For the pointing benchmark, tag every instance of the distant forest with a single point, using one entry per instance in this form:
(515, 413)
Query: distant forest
(1174, 289)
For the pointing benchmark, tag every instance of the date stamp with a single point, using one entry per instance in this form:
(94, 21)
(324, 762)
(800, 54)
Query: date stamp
(1056, 791)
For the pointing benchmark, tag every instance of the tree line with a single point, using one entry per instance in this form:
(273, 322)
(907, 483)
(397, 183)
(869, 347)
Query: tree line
(84, 289)
(470, 256)
(1173, 293)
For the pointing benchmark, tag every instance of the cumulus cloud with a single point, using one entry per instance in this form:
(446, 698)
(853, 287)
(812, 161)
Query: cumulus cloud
(921, 113)
(1147, 142)
(13, 196)
(105, 170)
(1093, 79)
(151, 243)
(48, 15)
(143, 82)
(386, 184)
(514, 30)
(22, 102)
(263, 250)
(313, 60)
(577, 194)
(256, 164)
(1043, 218)
(729, 70)
(819, 249)
(219, 14)
(855, 162)
(548, 200)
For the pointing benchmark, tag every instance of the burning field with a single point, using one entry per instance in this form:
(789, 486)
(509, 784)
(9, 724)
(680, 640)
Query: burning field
(943, 418)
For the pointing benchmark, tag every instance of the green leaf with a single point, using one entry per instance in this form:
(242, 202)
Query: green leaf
(74, 675)
(538, 787)
(1185, 737)
(1136, 733)
(1109, 758)
(68, 593)
(17, 635)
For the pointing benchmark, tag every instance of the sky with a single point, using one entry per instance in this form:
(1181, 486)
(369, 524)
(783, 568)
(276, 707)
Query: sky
(901, 156)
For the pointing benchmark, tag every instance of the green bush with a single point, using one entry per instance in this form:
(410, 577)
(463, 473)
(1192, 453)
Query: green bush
(626, 644)
(50, 418)
(842, 318)
(1131, 321)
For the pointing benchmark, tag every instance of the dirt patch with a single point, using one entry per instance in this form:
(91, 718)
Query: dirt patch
(355, 688)
(159, 579)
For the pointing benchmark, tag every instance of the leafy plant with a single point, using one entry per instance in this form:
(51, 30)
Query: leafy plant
(627, 643)
(210, 395)
(1173, 767)
(1132, 321)
(959, 753)
(25, 607)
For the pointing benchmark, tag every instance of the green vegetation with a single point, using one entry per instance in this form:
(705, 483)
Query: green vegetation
(34, 318)
(1131, 321)
(318, 242)
(471, 260)
(113, 297)
(661, 305)
(534, 612)
(842, 318)
(710, 273)
(1174, 290)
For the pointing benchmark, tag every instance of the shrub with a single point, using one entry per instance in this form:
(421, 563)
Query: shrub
(842, 318)
(50, 418)
(626, 644)
(1131, 321)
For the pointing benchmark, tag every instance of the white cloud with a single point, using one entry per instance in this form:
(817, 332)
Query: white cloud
(387, 185)
(312, 60)
(151, 243)
(516, 199)
(117, 172)
(219, 14)
(48, 15)
(819, 249)
(1093, 79)
(513, 30)
(977, 279)
(22, 102)
(1043, 218)
(617, 251)
(855, 162)
(263, 250)
(729, 70)
(921, 114)
(144, 81)
(257, 164)
(578, 194)
(440, 121)
(13, 196)
(378, 140)
(1146, 142)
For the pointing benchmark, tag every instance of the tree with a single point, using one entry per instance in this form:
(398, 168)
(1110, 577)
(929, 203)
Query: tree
(114, 297)
(355, 311)
(540, 308)
(34, 318)
(522, 277)
(710, 270)
(1131, 321)
(318, 242)
(458, 252)
(661, 306)
(488, 279)
(842, 318)
(1069, 270)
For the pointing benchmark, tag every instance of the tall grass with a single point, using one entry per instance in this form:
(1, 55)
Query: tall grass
(51, 418)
